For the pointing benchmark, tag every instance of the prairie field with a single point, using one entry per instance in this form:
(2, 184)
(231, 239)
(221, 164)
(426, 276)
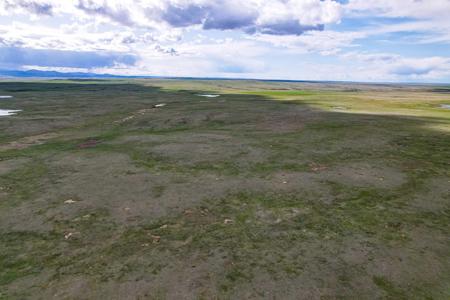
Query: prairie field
(224, 189)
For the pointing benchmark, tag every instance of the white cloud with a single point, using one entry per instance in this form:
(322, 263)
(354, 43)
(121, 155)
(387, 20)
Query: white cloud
(38, 7)
(422, 9)
(429, 67)
(396, 67)
(430, 18)
(269, 16)
(323, 42)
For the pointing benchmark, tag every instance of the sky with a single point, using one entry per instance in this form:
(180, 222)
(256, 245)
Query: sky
(346, 40)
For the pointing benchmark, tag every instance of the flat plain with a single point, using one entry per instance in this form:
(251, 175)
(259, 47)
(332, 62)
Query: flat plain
(148, 189)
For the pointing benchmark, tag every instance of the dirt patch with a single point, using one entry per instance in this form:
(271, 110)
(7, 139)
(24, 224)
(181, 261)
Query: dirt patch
(25, 217)
(191, 153)
(396, 268)
(191, 149)
(137, 139)
(84, 176)
(88, 144)
(363, 174)
(29, 141)
(163, 139)
(113, 182)
(10, 165)
(287, 119)
(129, 193)
(435, 197)
(191, 278)
(301, 182)
(292, 121)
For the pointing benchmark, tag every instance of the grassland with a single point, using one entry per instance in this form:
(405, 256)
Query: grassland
(274, 190)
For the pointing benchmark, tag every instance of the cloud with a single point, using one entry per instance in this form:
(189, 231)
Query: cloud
(422, 9)
(277, 17)
(375, 58)
(36, 7)
(229, 16)
(421, 67)
(118, 14)
(221, 15)
(285, 28)
(14, 56)
(170, 51)
(76, 36)
(181, 16)
(427, 19)
(397, 67)
(323, 42)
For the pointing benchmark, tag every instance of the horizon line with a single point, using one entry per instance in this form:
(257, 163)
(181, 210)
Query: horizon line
(93, 76)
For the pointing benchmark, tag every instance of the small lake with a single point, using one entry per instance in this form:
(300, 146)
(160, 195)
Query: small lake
(8, 112)
(209, 96)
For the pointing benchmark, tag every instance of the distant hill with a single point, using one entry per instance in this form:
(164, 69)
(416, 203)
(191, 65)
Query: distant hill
(55, 74)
